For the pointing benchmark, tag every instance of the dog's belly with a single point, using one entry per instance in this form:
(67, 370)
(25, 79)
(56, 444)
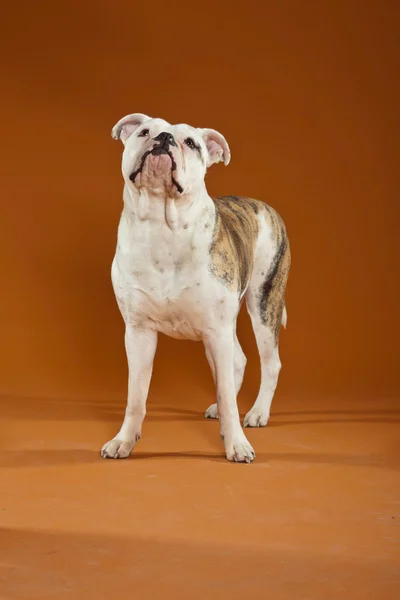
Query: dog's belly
(176, 325)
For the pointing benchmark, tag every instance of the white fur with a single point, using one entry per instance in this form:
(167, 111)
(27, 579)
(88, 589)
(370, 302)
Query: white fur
(162, 281)
(284, 317)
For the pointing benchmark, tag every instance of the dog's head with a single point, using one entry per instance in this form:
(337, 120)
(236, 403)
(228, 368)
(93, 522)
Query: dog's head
(167, 159)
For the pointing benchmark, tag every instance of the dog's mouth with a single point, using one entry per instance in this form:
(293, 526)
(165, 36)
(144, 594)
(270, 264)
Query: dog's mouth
(158, 150)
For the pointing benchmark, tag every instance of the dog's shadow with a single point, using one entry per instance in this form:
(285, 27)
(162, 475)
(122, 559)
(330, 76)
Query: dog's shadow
(14, 459)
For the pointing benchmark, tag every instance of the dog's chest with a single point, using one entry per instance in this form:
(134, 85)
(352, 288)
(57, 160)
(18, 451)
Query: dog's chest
(161, 277)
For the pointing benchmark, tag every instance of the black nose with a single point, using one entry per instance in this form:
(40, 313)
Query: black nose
(165, 139)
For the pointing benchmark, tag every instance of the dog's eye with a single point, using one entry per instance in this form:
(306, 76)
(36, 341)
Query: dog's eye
(143, 133)
(189, 142)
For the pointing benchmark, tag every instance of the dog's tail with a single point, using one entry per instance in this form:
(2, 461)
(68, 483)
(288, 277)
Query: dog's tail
(284, 316)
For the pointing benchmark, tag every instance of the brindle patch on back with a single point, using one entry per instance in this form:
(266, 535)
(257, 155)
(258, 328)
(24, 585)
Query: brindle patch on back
(271, 296)
(235, 234)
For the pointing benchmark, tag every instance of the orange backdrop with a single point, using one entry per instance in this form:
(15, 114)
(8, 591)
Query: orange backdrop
(307, 95)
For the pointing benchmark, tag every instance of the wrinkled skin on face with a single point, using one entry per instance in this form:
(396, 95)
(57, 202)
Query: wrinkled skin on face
(164, 159)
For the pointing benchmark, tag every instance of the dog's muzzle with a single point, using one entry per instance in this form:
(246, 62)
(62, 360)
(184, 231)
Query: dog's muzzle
(163, 142)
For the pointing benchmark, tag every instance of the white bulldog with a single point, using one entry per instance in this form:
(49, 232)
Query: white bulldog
(183, 264)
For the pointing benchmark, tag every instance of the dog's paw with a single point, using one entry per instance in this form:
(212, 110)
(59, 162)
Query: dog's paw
(117, 449)
(212, 412)
(255, 418)
(240, 451)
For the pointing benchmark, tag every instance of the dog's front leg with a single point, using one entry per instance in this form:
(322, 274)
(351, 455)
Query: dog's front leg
(140, 350)
(220, 346)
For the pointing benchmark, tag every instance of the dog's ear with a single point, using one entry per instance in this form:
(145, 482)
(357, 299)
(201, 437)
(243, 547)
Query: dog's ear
(127, 125)
(217, 147)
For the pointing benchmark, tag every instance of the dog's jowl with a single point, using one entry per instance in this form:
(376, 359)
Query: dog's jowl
(183, 264)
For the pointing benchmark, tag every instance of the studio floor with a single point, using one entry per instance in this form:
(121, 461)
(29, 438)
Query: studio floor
(317, 516)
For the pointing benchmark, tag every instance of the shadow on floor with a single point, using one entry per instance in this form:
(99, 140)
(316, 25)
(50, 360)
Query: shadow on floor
(50, 458)
(96, 410)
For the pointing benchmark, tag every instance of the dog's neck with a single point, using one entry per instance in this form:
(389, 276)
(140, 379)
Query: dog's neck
(177, 213)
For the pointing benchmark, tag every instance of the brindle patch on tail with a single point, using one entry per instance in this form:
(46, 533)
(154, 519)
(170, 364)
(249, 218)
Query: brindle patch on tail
(234, 239)
(271, 297)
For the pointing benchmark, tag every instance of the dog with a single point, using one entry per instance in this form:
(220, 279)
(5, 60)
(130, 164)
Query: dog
(183, 264)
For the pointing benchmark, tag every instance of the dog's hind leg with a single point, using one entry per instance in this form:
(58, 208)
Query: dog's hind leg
(265, 300)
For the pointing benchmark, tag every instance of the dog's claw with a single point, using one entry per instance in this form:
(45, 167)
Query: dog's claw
(255, 418)
(117, 449)
(240, 451)
(212, 412)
